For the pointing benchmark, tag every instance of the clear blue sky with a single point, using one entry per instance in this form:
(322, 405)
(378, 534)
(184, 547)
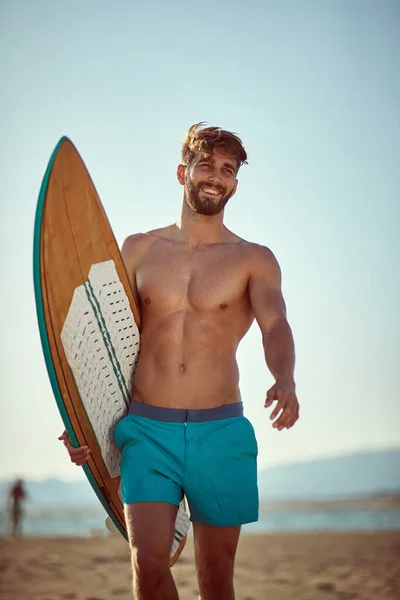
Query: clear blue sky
(313, 89)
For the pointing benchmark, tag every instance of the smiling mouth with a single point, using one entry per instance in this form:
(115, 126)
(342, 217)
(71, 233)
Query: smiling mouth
(210, 191)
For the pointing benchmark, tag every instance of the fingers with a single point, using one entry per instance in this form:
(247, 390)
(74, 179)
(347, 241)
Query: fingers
(270, 397)
(64, 435)
(286, 411)
(287, 419)
(77, 455)
(279, 406)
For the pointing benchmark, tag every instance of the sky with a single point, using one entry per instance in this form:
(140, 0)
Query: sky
(313, 89)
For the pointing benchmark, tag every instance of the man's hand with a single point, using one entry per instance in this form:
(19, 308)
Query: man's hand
(78, 455)
(285, 394)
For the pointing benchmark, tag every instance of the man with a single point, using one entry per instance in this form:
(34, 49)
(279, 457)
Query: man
(200, 287)
(17, 495)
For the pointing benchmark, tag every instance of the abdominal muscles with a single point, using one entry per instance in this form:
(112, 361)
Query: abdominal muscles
(187, 360)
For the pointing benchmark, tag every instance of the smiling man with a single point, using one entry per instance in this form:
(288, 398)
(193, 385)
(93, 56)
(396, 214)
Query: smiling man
(200, 287)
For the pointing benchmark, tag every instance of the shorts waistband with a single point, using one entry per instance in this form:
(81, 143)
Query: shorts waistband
(182, 415)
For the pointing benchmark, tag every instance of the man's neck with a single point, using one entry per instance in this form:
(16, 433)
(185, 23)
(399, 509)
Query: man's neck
(199, 230)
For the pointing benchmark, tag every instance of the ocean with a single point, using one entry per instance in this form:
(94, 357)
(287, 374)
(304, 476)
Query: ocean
(91, 521)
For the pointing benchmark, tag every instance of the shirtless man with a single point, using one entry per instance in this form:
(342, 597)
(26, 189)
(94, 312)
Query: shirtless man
(200, 287)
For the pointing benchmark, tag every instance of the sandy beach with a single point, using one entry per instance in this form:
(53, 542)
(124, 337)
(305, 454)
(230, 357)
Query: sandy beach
(315, 566)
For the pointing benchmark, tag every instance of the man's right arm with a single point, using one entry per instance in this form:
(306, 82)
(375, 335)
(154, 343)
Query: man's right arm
(132, 251)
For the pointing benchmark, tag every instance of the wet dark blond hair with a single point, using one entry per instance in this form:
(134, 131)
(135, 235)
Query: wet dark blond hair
(203, 140)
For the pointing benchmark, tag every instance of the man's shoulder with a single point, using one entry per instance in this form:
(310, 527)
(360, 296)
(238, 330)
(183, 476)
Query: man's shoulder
(260, 259)
(253, 250)
(135, 243)
(166, 232)
(257, 252)
(138, 241)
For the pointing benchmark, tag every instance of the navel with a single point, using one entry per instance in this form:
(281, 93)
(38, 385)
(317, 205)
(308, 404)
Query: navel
(182, 368)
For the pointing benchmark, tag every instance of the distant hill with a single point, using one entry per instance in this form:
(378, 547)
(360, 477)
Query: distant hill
(54, 493)
(363, 474)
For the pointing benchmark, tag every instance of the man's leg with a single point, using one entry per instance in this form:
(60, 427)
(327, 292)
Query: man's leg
(151, 527)
(15, 515)
(215, 549)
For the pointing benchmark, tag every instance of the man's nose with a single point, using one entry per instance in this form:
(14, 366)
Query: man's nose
(215, 176)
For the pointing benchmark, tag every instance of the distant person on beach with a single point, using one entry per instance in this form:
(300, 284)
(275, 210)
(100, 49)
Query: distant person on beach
(17, 495)
(200, 288)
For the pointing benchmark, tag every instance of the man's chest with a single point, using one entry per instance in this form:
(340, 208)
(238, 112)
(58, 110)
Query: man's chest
(207, 279)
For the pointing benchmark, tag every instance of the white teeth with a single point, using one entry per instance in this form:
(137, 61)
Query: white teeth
(211, 191)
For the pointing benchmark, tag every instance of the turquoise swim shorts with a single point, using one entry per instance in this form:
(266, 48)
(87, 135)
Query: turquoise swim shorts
(208, 455)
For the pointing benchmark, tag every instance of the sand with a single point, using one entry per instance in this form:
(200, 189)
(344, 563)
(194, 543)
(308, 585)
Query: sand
(327, 566)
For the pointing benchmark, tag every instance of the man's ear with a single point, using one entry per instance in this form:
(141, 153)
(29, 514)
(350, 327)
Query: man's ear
(234, 188)
(180, 174)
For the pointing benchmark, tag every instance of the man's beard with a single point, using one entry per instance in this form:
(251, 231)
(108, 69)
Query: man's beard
(205, 206)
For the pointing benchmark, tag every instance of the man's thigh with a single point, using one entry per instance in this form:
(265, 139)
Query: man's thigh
(151, 527)
(220, 481)
(215, 545)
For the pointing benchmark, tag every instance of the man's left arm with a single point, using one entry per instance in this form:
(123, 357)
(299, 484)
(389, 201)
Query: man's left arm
(270, 312)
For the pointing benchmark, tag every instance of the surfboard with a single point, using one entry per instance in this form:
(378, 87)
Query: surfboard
(89, 322)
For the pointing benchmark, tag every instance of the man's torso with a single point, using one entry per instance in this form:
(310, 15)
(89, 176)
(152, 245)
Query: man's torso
(195, 310)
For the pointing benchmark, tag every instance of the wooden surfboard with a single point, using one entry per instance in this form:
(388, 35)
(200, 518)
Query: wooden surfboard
(89, 322)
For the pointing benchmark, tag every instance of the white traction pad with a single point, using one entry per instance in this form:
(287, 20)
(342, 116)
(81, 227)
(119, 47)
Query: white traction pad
(101, 343)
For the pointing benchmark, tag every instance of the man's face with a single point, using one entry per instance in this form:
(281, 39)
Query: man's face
(209, 182)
